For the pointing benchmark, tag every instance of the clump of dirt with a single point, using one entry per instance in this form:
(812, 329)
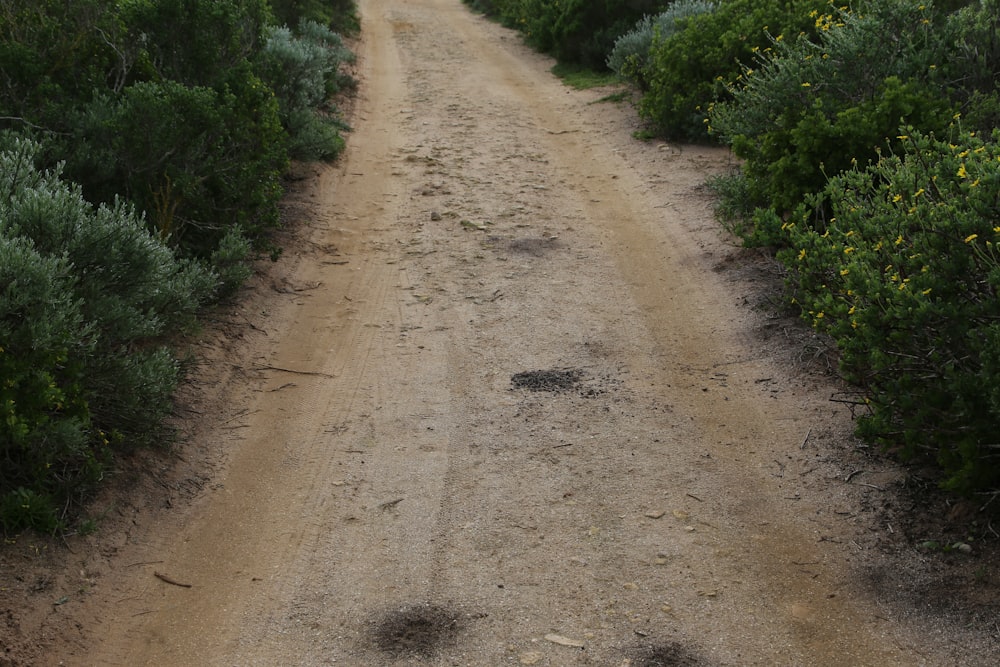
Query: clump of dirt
(416, 630)
(670, 654)
(553, 380)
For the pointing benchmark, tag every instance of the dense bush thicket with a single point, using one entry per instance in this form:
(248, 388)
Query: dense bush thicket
(303, 70)
(812, 107)
(631, 56)
(85, 297)
(870, 163)
(580, 32)
(904, 277)
(693, 68)
(143, 150)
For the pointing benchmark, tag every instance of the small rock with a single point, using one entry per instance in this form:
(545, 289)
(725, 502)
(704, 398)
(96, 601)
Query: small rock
(435, 215)
(655, 514)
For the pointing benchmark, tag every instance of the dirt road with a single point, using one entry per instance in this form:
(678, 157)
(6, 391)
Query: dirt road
(509, 403)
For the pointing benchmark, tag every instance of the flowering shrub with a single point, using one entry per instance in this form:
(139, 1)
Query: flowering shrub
(813, 107)
(695, 67)
(904, 277)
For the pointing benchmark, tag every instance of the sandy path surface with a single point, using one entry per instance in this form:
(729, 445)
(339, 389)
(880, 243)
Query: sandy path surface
(506, 405)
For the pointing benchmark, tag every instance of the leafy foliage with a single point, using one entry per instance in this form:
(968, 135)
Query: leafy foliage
(630, 57)
(175, 130)
(85, 295)
(303, 70)
(904, 277)
(692, 68)
(579, 32)
(339, 15)
(814, 108)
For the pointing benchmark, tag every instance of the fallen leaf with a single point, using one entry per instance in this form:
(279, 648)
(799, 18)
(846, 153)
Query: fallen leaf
(655, 514)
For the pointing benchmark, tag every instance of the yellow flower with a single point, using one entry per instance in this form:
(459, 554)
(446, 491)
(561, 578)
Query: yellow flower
(971, 237)
(806, 84)
(926, 291)
(851, 311)
(918, 192)
(802, 254)
(854, 324)
(974, 183)
(962, 173)
(897, 198)
(844, 272)
(848, 250)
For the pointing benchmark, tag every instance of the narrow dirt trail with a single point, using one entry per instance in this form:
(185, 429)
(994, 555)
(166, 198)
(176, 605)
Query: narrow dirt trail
(389, 496)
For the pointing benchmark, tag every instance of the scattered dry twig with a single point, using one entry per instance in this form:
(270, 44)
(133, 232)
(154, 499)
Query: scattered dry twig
(853, 475)
(172, 582)
(292, 370)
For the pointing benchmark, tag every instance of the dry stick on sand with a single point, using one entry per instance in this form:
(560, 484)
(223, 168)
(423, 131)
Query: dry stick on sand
(163, 577)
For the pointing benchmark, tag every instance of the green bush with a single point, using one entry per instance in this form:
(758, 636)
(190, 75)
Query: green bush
(695, 66)
(194, 42)
(974, 62)
(904, 277)
(196, 160)
(338, 15)
(814, 107)
(630, 56)
(304, 70)
(580, 32)
(85, 297)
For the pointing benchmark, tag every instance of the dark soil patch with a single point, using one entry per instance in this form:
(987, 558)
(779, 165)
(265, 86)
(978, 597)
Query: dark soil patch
(554, 380)
(419, 630)
(536, 247)
(671, 654)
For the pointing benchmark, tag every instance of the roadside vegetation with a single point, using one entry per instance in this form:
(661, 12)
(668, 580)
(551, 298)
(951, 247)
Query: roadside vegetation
(142, 152)
(870, 166)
